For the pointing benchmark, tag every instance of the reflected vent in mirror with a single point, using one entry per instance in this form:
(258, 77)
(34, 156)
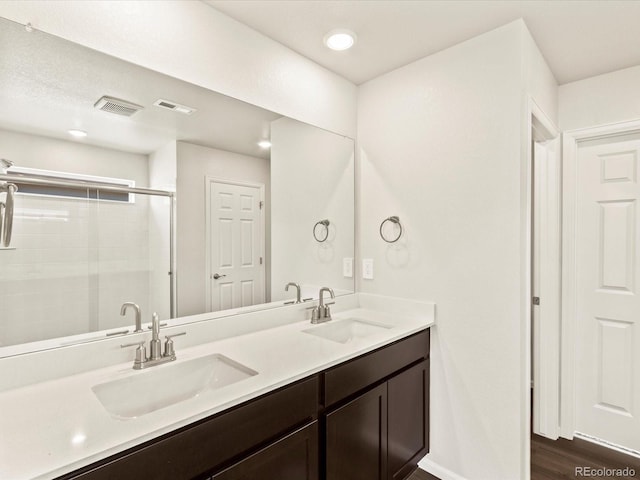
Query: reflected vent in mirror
(176, 107)
(117, 106)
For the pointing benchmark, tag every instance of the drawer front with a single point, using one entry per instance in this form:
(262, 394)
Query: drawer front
(198, 449)
(292, 457)
(358, 374)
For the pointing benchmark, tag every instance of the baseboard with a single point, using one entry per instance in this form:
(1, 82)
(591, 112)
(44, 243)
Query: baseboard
(438, 470)
(605, 444)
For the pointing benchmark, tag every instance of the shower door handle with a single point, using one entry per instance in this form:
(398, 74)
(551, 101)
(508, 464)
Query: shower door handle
(6, 225)
(216, 276)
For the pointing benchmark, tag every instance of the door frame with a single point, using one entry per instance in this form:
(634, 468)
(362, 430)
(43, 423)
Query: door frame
(547, 256)
(208, 180)
(571, 140)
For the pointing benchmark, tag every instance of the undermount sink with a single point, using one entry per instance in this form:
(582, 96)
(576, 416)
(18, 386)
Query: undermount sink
(347, 330)
(159, 387)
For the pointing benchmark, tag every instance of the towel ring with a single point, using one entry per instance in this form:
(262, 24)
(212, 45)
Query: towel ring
(393, 219)
(325, 224)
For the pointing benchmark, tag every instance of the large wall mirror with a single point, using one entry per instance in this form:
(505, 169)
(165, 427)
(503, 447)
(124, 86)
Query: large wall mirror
(134, 186)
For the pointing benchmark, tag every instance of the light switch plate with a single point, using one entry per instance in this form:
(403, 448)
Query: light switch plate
(367, 268)
(347, 267)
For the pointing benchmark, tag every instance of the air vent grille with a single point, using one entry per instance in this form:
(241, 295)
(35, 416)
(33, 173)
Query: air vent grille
(176, 107)
(117, 106)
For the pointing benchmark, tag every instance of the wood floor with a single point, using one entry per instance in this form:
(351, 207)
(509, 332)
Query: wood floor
(558, 460)
(421, 475)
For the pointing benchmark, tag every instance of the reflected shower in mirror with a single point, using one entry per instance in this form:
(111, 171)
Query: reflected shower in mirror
(159, 195)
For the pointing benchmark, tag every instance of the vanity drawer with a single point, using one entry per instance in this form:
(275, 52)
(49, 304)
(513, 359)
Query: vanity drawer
(197, 449)
(362, 372)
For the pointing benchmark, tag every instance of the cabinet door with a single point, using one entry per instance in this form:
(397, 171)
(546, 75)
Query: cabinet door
(293, 457)
(408, 435)
(357, 438)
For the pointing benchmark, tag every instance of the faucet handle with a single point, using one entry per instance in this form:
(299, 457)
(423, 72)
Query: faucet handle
(315, 313)
(327, 310)
(169, 351)
(141, 352)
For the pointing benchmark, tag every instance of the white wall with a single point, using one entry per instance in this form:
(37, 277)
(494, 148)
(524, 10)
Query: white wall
(440, 146)
(539, 81)
(189, 40)
(194, 164)
(312, 178)
(76, 261)
(47, 153)
(609, 98)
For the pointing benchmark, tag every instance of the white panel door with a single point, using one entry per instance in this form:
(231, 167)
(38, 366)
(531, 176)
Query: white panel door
(546, 287)
(608, 304)
(236, 243)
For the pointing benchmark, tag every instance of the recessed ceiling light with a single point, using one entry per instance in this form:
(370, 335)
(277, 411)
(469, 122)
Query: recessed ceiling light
(77, 133)
(264, 144)
(340, 39)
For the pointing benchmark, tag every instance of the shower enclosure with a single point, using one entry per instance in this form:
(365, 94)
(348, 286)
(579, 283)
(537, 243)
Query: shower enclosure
(79, 250)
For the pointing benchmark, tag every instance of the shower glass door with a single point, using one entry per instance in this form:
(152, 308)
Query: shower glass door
(76, 256)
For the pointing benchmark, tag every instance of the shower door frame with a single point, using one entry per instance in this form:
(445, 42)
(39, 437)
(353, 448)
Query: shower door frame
(118, 189)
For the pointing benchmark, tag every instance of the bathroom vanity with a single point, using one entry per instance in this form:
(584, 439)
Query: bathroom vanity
(363, 419)
(348, 398)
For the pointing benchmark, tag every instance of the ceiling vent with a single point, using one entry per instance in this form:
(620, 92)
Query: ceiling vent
(117, 106)
(176, 107)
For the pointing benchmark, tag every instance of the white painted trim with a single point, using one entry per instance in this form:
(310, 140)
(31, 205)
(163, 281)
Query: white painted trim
(207, 213)
(546, 367)
(571, 140)
(438, 470)
(604, 444)
(530, 111)
(550, 131)
(546, 341)
(525, 286)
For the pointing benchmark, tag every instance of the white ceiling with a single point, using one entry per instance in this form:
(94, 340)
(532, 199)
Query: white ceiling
(578, 38)
(49, 85)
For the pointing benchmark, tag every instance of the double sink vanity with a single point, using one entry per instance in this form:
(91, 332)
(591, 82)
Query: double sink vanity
(259, 395)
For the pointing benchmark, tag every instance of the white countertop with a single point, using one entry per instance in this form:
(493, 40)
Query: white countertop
(56, 426)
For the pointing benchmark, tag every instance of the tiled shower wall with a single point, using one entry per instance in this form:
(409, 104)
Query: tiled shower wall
(75, 262)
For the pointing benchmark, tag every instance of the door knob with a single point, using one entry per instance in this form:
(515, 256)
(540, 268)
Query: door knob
(216, 276)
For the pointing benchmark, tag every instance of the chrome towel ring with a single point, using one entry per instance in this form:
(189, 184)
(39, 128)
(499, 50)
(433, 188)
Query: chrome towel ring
(395, 220)
(320, 238)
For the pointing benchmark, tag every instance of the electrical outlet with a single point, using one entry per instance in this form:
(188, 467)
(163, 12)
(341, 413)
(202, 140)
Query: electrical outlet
(347, 267)
(367, 268)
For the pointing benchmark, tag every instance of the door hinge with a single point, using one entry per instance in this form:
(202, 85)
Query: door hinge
(536, 300)
(261, 204)
(260, 260)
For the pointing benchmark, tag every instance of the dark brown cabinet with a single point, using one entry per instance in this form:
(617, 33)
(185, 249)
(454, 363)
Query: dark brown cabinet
(198, 450)
(295, 457)
(382, 433)
(407, 420)
(357, 438)
(367, 418)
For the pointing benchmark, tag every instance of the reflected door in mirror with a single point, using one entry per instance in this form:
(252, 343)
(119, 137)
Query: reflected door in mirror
(236, 244)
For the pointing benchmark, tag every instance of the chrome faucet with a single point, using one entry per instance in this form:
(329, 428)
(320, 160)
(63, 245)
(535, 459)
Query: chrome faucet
(292, 284)
(155, 337)
(123, 311)
(322, 313)
(155, 358)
